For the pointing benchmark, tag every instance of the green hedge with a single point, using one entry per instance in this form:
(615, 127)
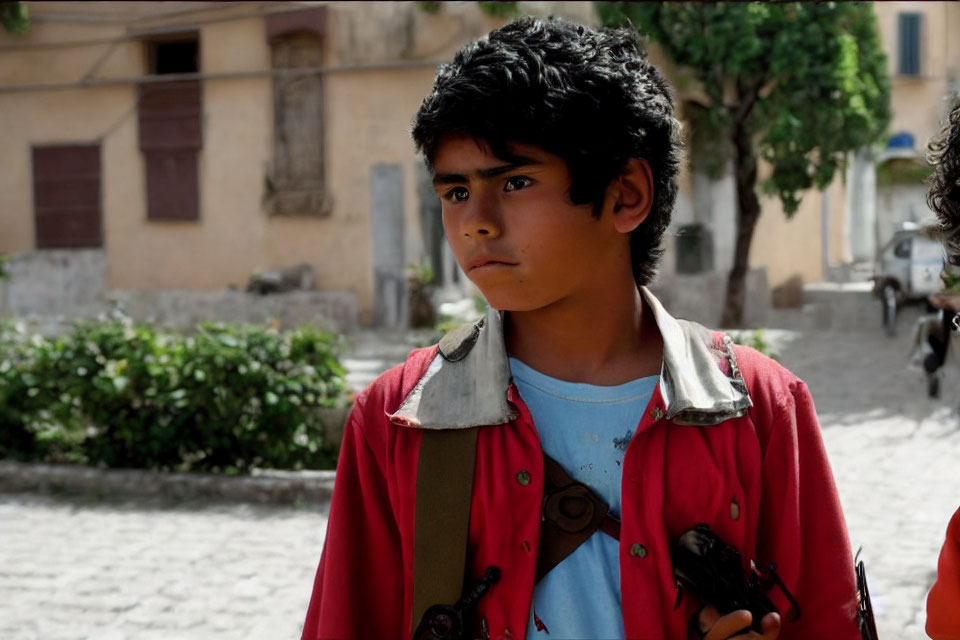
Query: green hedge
(227, 398)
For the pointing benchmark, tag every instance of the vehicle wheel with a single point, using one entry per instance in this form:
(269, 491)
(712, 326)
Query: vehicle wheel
(888, 297)
(933, 385)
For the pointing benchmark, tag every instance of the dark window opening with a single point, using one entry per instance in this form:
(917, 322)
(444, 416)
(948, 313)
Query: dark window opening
(174, 56)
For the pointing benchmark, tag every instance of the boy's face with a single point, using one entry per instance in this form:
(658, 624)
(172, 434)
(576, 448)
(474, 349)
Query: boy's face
(515, 232)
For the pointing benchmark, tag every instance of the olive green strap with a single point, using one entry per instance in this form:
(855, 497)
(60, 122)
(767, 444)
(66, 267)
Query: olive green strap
(442, 517)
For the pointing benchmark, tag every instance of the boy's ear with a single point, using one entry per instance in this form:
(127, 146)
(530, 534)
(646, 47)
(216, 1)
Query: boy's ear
(630, 195)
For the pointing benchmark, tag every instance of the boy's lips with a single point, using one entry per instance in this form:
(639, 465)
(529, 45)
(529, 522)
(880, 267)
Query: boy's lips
(486, 260)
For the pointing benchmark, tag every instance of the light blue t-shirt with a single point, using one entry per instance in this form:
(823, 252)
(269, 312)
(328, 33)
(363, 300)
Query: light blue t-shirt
(586, 428)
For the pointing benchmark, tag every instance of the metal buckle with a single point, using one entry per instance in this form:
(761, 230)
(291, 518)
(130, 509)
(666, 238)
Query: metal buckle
(572, 508)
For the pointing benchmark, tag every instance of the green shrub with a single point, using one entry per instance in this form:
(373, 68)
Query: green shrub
(227, 398)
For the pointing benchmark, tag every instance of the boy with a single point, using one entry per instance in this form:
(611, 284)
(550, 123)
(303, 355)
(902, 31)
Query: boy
(555, 152)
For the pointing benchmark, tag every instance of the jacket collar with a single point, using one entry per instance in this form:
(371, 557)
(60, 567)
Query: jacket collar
(467, 381)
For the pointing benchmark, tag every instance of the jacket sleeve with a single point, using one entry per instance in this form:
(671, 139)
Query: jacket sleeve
(943, 615)
(358, 588)
(802, 528)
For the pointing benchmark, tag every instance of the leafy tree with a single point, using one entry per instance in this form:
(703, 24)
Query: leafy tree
(15, 17)
(798, 85)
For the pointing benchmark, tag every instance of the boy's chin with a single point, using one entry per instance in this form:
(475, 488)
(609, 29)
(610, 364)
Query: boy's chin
(507, 302)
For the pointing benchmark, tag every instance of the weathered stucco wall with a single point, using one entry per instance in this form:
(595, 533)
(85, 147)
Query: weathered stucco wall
(789, 247)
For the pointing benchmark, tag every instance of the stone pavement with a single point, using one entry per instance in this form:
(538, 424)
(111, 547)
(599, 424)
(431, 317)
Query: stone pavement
(83, 568)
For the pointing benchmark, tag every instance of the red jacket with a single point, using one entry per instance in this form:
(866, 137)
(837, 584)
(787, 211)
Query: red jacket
(943, 603)
(729, 438)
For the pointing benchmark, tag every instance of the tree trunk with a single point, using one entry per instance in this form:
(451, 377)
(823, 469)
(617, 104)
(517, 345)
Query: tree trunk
(748, 212)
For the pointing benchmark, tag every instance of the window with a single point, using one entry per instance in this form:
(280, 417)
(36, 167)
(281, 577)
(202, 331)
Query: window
(902, 250)
(171, 129)
(181, 54)
(909, 43)
(295, 185)
(66, 196)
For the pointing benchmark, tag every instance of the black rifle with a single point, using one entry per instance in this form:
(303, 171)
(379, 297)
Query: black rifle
(868, 626)
(453, 622)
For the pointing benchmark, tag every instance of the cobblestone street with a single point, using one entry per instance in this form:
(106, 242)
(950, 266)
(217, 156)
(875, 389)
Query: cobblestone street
(109, 572)
(98, 569)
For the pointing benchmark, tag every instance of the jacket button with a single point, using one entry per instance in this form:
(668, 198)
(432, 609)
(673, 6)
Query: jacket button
(657, 413)
(734, 509)
(523, 477)
(638, 550)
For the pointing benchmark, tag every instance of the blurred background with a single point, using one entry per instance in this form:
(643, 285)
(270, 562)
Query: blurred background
(214, 230)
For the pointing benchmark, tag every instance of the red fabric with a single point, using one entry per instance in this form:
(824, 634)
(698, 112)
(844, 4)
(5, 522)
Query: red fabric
(771, 461)
(943, 603)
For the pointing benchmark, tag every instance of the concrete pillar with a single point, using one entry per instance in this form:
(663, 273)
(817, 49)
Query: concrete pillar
(387, 246)
(862, 206)
(715, 202)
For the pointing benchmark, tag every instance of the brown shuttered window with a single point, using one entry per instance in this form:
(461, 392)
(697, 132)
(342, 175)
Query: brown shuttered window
(172, 190)
(66, 196)
(171, 131)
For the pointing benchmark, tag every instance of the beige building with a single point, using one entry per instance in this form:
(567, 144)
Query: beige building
(182, 146)
(882, 188)
(924, 63)
(186, 145)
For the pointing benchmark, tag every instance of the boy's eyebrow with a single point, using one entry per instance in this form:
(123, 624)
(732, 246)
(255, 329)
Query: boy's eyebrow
(492, 172)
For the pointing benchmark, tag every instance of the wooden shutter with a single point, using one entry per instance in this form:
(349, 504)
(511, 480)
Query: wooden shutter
(66, 196)
(171, 134)
(909, 42)
(297, 176)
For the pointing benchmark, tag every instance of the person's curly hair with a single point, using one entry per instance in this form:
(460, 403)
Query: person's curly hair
(590, 96)
(943, 196)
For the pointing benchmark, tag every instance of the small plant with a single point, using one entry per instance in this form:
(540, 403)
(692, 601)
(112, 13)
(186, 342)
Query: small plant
(755, 339)
(420, 277)
(480, 304)
(430, 7)
(15, 17)
(4, 273)
(951, 280)
(500, 9)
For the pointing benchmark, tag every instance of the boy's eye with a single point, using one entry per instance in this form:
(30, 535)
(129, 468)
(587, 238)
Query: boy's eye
(516, 183)
(457, 194)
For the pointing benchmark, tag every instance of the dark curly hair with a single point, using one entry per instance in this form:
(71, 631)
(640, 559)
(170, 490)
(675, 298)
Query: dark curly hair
(590, 96)
(943, 195)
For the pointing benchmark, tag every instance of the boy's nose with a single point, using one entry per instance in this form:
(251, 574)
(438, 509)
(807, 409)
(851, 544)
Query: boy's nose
(481, 219)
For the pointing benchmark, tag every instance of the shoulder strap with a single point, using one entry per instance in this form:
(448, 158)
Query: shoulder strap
(442, 516)
(572, 512)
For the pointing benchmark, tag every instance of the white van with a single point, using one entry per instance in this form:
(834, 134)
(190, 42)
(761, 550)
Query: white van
(907, 269)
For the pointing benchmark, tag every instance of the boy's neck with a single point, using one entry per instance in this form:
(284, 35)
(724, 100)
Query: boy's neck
(605, 341)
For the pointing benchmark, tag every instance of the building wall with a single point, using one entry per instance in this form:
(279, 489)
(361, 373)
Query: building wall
(789, 247)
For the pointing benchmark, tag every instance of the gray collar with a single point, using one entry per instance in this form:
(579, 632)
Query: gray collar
(466, 383)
